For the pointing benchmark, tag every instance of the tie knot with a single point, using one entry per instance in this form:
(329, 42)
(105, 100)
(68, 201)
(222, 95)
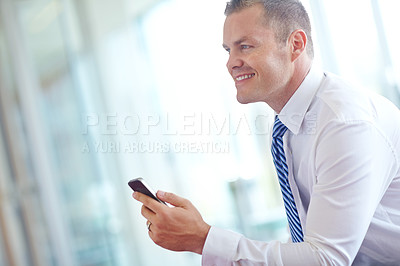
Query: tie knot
(279, 128)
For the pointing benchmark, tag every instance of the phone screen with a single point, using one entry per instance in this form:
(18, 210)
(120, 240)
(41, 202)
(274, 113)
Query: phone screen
(139, 185)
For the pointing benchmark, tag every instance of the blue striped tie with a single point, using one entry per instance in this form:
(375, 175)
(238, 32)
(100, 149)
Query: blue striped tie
(281, 168)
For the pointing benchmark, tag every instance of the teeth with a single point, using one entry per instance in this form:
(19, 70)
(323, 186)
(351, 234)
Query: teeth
(244, 77)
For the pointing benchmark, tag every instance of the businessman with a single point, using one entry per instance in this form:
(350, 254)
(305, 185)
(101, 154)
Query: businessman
(339, 176)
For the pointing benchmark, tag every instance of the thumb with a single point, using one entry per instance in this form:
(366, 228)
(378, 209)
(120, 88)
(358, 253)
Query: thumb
(172, 199)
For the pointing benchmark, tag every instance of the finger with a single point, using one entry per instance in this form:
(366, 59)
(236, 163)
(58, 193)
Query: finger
(173, 199)
(149, 229)
(147, 213)
(148, 202)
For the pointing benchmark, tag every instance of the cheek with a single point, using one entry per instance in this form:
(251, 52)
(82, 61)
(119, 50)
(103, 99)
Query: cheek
(275, 69)
(269, 72)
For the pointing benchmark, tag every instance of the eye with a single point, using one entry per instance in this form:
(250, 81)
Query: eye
(228, 50)
(244, 46)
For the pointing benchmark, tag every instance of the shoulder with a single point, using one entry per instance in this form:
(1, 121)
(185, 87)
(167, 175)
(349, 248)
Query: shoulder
(344, 111)
(342, 101)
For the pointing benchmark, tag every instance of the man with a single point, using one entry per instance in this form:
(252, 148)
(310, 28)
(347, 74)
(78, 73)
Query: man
(336, 150)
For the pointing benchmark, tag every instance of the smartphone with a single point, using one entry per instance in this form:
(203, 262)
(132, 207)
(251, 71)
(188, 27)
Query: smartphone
(139, 185)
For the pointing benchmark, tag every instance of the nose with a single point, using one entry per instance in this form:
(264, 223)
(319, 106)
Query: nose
(234, 61)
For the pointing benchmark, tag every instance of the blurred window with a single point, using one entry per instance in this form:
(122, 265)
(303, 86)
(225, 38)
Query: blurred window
(94, 93)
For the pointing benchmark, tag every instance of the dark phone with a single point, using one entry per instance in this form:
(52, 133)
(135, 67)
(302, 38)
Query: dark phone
(139, 185)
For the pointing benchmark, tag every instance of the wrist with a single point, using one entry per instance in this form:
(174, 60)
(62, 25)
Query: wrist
(202, 236)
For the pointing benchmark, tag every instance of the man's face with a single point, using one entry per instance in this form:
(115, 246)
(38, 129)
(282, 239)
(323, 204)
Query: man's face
(259, 66)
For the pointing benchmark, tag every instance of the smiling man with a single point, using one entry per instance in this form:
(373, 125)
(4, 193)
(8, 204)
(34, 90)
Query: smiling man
(339, 175)
(263, 68)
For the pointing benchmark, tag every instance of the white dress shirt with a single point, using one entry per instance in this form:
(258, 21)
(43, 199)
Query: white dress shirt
(342, 149)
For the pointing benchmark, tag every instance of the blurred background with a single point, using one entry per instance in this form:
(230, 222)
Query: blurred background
(94, 93)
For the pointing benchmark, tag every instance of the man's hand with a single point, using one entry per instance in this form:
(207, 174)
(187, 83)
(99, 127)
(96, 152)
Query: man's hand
(180, 228)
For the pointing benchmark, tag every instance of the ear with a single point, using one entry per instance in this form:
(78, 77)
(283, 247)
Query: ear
(297, 42)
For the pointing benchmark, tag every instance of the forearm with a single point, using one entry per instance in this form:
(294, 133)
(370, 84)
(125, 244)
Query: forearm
(224, 247)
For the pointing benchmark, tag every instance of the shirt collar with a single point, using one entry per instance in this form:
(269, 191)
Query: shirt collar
(294, 112)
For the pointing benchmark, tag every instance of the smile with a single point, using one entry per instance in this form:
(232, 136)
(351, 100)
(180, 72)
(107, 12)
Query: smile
(243, 77)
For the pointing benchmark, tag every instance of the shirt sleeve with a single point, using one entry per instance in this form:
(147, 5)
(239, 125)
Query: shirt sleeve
(353, 162)
(220, 247)
(354, 165)
(224, 247)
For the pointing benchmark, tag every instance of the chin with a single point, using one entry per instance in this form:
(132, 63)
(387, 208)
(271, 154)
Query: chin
(243, 100)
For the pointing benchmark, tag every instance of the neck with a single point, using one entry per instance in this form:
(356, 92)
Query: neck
(301, 69)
